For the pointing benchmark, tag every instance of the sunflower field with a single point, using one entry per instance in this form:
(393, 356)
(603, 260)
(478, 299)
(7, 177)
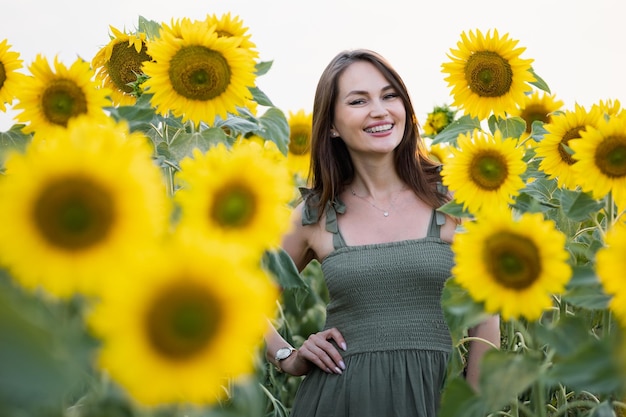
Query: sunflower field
(143, 196)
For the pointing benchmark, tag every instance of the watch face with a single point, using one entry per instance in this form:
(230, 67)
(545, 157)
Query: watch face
(283, 353)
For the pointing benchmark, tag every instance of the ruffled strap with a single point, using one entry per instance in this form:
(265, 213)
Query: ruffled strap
(310, 214)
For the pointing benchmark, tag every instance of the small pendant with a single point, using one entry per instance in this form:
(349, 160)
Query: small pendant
(386, 213)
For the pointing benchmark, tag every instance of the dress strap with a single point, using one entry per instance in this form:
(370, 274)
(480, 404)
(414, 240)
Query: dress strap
(309, 214)
(437, 219)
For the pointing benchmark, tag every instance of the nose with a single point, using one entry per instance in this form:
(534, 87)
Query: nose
(378, 109)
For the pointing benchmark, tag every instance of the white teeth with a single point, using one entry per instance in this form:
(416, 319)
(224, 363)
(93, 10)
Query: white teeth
(379, 128)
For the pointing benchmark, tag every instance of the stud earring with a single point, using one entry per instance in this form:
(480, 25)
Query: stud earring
(334, 134)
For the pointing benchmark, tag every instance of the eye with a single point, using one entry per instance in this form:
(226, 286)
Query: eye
(357, 101)
(391, 96)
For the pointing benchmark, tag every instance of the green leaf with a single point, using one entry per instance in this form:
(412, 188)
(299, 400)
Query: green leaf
(566, 335)
(585, 290)
(458, 399)
(149, 27)
(13, 140)
(184, 143)
(275, 127)
(539, 82)
(505, 375)
(45, 353)
(260, 97)
(603, 410)
(463, 124)
(595, 367)
(526, 203)
(281, 266)
(263, 67)
(578, 205)
(512, 127)
(454, 209)
(460, 310)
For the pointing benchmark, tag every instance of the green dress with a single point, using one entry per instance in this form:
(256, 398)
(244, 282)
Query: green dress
(385, 299)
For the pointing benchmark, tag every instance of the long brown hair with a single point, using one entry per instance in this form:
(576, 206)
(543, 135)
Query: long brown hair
(331, 166)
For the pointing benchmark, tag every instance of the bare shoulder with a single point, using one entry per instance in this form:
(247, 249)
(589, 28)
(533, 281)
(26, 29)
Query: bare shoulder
(306, 241)
(448, 229)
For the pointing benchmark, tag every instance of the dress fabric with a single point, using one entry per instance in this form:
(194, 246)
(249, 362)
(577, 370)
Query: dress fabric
(385, 298)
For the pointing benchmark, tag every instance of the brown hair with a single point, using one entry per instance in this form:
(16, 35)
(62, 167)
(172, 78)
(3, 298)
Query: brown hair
(331, 166)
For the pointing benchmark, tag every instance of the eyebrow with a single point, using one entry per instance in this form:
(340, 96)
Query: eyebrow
(363, 92)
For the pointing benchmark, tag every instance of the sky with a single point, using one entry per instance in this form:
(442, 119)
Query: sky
(577, 45)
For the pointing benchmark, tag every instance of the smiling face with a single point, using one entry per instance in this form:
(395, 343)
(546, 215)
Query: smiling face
(369, 113)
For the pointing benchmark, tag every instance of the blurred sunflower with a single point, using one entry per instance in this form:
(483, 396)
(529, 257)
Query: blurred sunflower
(236, 196)
(487, 74)
(440, 152)
(610, 267)
(118, 64)
(600, 155)
(537, 107)
(50, 98)
(188, 321)
(300, 131)
(10, 63)
(198, 74)
(554, 149)
(78, 202)
(512, 266)
(485, 170)
(437, 120)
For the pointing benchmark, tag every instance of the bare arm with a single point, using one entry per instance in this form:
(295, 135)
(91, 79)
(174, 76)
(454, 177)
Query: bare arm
(317, 350)
(489, 334)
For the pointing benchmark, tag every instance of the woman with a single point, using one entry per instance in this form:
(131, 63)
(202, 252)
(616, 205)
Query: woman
(370, 219)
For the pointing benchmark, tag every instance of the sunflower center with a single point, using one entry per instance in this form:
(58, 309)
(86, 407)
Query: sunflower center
(565, 155)
(3, 75)
(234, 207)
(62, 100)
(182, 320)
(199, 73)
(299, 141)
(488, 74)
(74, 213)
(513, 260)
(489, 171)
(534, 113)
(610, 157)
(125, 64)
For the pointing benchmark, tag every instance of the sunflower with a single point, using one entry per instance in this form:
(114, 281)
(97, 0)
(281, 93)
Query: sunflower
(77, 203)
(513, 266)
(487, 74)
(197, 74)
(9, 77)
(187, 322)
(601, 159)
(50, 98)
(300, 131)
(554, 149)
(440, 152)
(238, 197)
(610, 107)
(228, 26)
(537, 107)
(438, 119)
(485, 170)
(118, 64)
(610, 264)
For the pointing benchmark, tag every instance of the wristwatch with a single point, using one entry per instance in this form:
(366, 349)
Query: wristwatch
(282, 354)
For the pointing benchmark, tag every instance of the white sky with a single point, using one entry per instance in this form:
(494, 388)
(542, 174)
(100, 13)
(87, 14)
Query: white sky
(578, 46)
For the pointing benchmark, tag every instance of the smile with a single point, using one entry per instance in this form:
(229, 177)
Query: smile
(379, 128)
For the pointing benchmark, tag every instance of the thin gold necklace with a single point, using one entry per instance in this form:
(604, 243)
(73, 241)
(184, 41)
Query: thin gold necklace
(385, 212)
